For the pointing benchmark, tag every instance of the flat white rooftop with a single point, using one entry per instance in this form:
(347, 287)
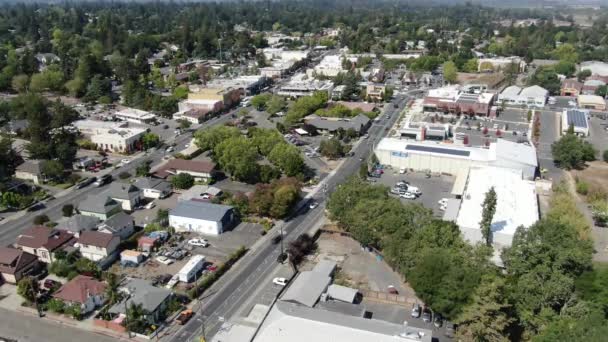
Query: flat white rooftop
(516, 203)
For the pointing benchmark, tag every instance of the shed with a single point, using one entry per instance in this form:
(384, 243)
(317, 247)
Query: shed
(147, 243)
(342, 293)
(131, 256)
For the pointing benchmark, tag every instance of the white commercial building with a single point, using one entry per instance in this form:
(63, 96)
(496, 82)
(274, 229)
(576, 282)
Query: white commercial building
(92, 127)
(187, 273)
(301, 85)
(533, 96)
(201, 217)
(516, 205)
(118, 140)
(450, 159)
(578, 119)
(330, 66)
(135, 115)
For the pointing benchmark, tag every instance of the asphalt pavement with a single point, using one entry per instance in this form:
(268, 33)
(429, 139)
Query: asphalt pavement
(256, 267)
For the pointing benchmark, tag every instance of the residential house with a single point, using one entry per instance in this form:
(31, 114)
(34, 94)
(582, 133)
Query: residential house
(101, 207)
(44, 242)
(199, 169)
(120, 224)
(128, 195)
(153, 300)
(31, 170)
(97, 246)
(85, 291)
(571, 87)
(76, 224)
(15, 264)
(375, 92)
(153, 188)
(201, 217)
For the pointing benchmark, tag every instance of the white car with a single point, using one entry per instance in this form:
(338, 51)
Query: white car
(279, 281)
(414, 190)
(174, 280)
(198, 242)
(443, 202)
(150, 205)
(402, 170)
(313, 205)
(164, 260)
(169, 149)
(125, 161)
(408, 195)
(187, 145)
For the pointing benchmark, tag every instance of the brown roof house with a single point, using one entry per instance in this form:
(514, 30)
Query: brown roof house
(15, 264)
(83, 290)
(98, 246)
(44, 242)
(31, 170)
(199, 169)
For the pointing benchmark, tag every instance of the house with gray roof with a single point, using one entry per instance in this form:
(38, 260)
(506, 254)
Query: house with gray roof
(201, 217)
(153, 188)
(100, 206)
(120, 224)
(128, 195)
(359, 123)
(31, 170)
(76, 224)
(152, 299)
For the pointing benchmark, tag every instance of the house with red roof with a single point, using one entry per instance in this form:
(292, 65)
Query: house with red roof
(43, 242)
(15, 264)
(85, 291)
(199, 169)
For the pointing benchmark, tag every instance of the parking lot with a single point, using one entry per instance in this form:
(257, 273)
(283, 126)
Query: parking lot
(433, 189)
(512, 124)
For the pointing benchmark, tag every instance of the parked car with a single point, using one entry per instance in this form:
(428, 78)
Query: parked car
(164, 260)
(426, 315)
(279, 281)
(50, 284)
(313, 204)
(212, 268)
(103, 180)
(174, 280)
(125, 161)
(198, 242)
(450, 329)
(276, 239)
(169, 149)
(443, 202)
(416, 309)
(392, 290)
(438, 320)
(184, 316)
(402, 170)
(408, 195)
(85, 182)
(150, 205)
(414, 190)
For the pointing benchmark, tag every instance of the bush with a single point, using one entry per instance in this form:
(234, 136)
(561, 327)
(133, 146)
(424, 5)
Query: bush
(182, 181)
(67, 210)
(41, 219)
(605, 156)
(582, 187)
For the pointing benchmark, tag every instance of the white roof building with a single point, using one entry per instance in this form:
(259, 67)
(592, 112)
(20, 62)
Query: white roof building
(516, 204)
(301, 85)
(296, 323)
(451, 159)
(135, 115)
(533, 96)
(118, 140)
(329, 66)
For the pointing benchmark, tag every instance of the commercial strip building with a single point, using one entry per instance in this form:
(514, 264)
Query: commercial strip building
(593, 102)
(533, 96)
(446, 158)
(454, 99)
(300, 85)
(135, 116)
(578, 119)
(111, 136)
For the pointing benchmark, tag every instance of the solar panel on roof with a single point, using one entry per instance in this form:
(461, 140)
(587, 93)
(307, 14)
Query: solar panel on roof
(577, 118)
(439, 150)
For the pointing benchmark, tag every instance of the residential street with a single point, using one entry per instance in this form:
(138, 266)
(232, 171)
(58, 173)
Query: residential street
(256, 268)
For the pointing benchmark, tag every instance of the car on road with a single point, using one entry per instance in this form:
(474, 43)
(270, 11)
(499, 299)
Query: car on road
(164, 260)
(402, 170)
(279, 281)
(416, 310)
(184, 316)
(150, 205)
(85, 182)
(407, 195)
(35, 207)
(198, 242)
(438, 320)
(169, 149)
(392, 290)
(276, 239)
(426, 315)
(443, 202)
(125, 161)
(313, 205)
(103, 180)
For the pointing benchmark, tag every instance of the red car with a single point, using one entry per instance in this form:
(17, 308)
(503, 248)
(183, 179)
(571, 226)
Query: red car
(212, 268)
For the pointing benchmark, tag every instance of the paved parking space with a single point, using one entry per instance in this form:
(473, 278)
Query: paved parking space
(433, 189)
(244, 234)
(512, 124)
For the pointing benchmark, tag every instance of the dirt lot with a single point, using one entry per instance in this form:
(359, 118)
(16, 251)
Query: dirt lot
(595, 174)
(358, 268)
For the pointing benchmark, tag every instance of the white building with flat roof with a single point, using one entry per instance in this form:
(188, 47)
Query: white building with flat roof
(90, 127)
(533, 96)
(451, 159)
(578, 119)
(516, 205)
(301, 85)
(135, 116)
(118, 140)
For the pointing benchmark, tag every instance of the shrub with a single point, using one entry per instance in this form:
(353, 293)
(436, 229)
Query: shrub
(68, 210)
(605, 156)
(41, 219)
(582, 187)
(124, 175)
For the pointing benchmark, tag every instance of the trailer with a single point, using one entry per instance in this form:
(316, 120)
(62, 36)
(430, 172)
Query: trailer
(192, 267)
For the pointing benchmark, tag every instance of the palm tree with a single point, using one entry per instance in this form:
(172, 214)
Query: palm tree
(135, 318)
(111, 292)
